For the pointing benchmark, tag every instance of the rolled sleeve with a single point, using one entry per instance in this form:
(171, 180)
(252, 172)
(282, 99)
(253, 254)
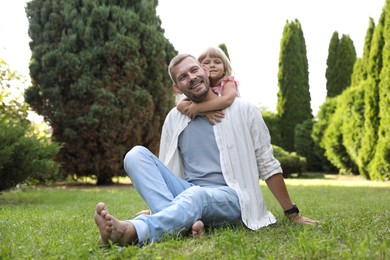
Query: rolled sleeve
(267, 164)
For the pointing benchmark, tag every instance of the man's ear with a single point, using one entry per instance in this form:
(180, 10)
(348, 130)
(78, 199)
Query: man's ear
(176, 89)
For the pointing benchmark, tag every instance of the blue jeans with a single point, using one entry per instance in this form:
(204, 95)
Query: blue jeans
(175, 203)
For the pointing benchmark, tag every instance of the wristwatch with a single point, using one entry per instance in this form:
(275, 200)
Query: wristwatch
(291, 211)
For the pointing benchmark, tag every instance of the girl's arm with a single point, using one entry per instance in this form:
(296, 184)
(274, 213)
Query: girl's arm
(223, 101)
(183, 104)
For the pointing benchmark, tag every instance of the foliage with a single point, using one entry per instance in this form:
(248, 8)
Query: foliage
(291, 162)
(23, 157)
(320, 125)
(360, 70)
(99, 77)
(333, 142)
(13, 109)
(343, 134)
(223, 47)
(380, 166)
(37, 224)
(355, 131)
(293, 106)
(340, 64)
(377, 80)
(351, 109)
(273, 123)
(305, 146)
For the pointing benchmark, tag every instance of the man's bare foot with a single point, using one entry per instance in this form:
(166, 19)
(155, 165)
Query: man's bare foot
(197, 228)
(119, 232)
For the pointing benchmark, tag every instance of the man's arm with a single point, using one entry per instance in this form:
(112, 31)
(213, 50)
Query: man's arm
(278, 188)
(269, 168)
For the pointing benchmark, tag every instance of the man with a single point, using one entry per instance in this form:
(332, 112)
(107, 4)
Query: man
(206, 173)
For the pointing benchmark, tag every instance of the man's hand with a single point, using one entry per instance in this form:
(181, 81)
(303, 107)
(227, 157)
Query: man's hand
(296, 218)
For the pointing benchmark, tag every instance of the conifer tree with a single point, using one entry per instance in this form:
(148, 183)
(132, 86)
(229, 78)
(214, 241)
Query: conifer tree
(293, 106)
(331, 62)
(353, 127)
(99, 78)
(371, 99)
(380, 166)
(223, 47)
(340, 63)
(359, 73)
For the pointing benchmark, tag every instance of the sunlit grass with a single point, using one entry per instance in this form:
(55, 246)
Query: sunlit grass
(55, 223)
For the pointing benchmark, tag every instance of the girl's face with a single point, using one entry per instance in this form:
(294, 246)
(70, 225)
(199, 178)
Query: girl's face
(215, 67)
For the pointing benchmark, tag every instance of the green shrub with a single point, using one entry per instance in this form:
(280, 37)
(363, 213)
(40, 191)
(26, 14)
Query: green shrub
(23, 157)
(272, 121)
(305, 145)
(291, 162)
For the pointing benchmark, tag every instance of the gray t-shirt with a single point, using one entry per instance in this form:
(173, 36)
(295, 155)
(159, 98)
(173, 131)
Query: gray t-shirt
(200, 153)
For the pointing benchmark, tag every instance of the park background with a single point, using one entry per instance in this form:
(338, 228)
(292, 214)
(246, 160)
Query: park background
(46, 206)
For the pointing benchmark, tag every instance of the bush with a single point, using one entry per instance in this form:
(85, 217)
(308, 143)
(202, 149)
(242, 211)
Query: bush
(273, 123)
(305, 146)
(22, 157)
(291, 162)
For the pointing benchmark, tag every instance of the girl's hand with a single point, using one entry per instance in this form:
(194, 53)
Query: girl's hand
(192, 110)
(215, 116)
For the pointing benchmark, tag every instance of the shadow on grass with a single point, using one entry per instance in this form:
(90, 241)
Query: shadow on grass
(307, 175)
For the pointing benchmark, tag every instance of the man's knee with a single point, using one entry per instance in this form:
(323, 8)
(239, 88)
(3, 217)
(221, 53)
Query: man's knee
(135, 154)
(195, 193)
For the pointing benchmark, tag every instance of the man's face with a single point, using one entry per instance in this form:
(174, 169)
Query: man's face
(191, 79)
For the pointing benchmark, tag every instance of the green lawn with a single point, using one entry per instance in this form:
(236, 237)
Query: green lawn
(57, 223)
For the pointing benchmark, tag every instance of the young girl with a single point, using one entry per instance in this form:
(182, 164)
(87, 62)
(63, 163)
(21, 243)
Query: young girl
(222, 83)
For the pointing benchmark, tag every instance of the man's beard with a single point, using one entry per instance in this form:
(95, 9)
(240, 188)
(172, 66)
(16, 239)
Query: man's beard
(199, 97)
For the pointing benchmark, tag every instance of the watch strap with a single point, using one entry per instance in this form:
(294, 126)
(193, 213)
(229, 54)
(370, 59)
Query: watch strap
(291, 211)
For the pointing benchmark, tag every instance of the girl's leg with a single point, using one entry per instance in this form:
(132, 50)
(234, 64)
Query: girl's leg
(157, 185)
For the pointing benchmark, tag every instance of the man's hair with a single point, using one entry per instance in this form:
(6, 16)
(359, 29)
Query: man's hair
(176, 61)
(215, 52)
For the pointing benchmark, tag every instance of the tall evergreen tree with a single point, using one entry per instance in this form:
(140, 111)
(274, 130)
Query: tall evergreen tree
(223, 47)
(340, 63)
(353, 128)
(380, 166)
(360, 68)
(351, 107)
(371, 99)
(293, 106)
(331, 62)
(99, 73)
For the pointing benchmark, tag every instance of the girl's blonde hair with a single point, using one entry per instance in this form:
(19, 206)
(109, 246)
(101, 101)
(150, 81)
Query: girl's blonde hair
(214, 52)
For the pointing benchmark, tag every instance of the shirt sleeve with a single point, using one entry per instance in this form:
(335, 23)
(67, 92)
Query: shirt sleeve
(267, 164)
(229, 79)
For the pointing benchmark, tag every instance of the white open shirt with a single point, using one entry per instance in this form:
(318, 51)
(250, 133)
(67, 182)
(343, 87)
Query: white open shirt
(245, 152)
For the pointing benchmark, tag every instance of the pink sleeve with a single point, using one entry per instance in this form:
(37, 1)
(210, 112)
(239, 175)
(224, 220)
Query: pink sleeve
(227, 79)
(219, 88)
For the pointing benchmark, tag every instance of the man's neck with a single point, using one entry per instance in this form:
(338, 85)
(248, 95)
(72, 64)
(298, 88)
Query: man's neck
(210, 95)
